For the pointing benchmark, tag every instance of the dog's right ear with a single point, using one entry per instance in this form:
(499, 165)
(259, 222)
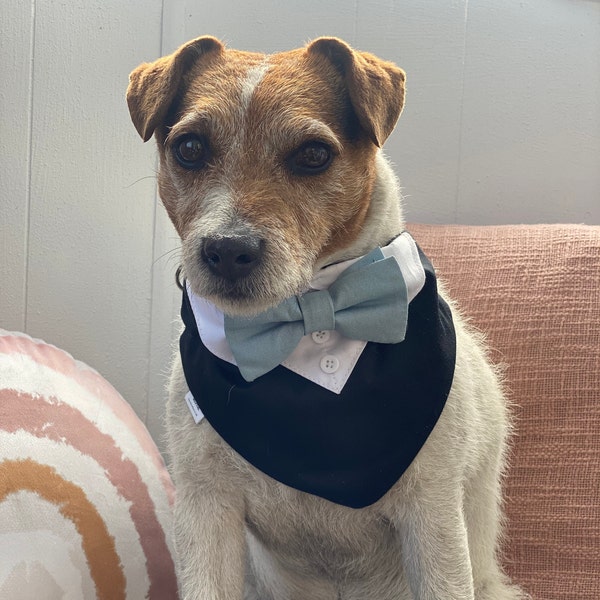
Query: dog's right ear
(153, 86)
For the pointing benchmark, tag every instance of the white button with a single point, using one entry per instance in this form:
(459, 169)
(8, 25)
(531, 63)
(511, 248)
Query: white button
(329, 363)
(320, 337)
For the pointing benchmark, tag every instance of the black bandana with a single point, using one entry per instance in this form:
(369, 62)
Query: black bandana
(349, 448)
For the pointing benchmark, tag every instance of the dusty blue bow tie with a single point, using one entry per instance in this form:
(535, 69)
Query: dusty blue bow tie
(368, 301)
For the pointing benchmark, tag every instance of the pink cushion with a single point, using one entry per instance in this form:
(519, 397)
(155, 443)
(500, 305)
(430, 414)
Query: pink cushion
(535, 291)
(85, 499)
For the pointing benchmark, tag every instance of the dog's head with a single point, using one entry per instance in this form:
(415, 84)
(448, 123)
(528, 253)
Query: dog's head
(267, 163)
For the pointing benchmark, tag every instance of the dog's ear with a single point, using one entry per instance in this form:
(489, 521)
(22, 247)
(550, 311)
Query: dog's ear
(153, 86)
(376, 87)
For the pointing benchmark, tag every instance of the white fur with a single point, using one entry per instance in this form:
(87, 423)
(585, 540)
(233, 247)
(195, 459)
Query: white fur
(433, 536)
(253, 78)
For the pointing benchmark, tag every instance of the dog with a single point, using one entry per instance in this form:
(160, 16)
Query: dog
(272, 173)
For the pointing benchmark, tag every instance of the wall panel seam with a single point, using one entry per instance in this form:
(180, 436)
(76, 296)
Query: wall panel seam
(150, 352)
(25, 289)
(461, 112)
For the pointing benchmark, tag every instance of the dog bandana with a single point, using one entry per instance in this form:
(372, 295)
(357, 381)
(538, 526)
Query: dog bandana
(348, 439)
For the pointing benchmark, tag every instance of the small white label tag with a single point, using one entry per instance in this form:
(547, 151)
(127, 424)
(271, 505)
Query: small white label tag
(196, 412)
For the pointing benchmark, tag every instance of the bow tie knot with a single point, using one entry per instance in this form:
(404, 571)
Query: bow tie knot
(367, 302)
(317, 310)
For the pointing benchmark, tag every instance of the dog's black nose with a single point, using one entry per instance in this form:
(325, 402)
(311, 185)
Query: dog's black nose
(232, 257)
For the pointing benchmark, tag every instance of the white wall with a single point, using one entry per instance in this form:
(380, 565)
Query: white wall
(502, 125)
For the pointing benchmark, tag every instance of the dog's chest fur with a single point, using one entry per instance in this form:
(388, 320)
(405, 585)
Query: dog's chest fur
(294, 538)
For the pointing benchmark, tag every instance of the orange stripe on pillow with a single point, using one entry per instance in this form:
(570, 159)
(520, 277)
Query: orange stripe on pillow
(98, 545)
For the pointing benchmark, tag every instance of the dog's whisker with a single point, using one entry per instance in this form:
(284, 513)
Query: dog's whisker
(155, 176)
(174, 253)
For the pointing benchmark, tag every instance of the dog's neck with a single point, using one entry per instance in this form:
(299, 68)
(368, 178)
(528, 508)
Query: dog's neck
(384, 219)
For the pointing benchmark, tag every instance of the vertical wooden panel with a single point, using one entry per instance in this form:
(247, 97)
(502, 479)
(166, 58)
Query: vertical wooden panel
(427, 40)
(531, 122)
(16, 34)
(92, 189)
(265, 26)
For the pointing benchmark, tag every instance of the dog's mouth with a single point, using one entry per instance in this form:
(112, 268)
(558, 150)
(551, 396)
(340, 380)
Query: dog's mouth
(243, 276)
(244, 296)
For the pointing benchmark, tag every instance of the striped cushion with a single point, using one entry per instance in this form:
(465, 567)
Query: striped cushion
(85, 499)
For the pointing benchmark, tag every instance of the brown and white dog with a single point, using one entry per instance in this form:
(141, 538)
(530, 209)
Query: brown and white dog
(271, 169)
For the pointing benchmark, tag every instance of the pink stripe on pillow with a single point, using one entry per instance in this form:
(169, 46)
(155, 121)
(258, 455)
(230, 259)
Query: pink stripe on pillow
(62, 362)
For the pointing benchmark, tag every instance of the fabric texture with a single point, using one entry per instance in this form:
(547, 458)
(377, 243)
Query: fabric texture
(535, 291)
(351, 447)
(85, 498)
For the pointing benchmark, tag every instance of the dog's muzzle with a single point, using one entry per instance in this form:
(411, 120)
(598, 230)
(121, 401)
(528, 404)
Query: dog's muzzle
(232, 257)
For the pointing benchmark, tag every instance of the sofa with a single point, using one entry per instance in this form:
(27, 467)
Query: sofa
(85, 498)
(535, 292)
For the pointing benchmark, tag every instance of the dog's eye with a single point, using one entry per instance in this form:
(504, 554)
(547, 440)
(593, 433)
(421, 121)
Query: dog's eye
(310, 159)
(191, 151)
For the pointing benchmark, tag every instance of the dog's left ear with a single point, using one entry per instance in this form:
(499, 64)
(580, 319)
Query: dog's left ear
(376, 87)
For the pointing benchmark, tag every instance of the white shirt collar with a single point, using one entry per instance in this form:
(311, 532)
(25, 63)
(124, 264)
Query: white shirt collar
(325, 358)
